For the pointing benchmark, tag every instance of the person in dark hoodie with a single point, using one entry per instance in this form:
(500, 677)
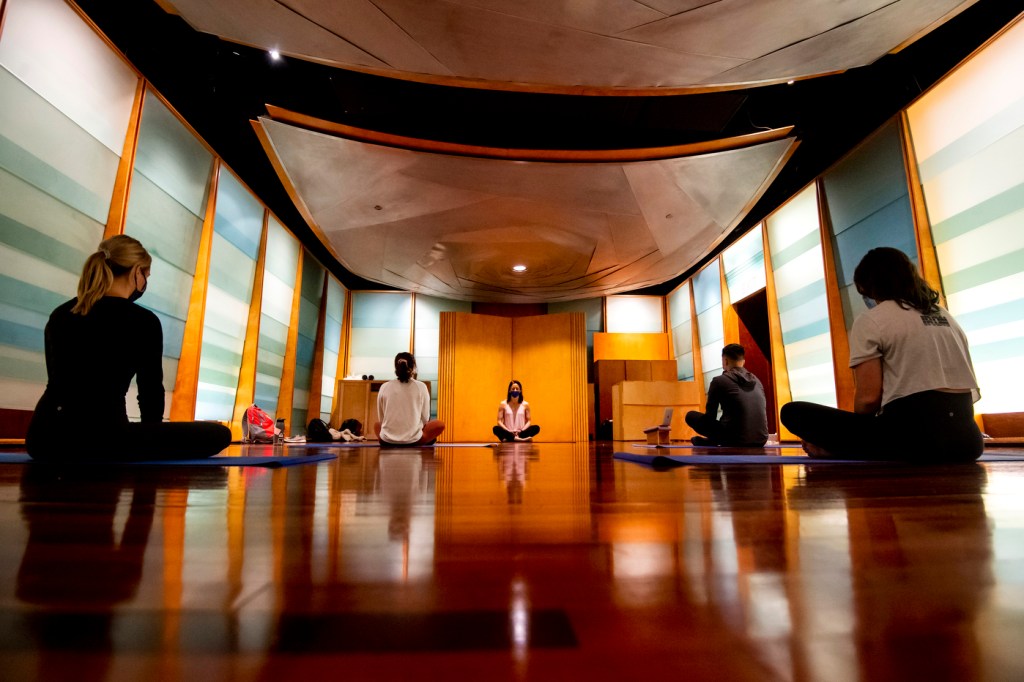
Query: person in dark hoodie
(744, 421)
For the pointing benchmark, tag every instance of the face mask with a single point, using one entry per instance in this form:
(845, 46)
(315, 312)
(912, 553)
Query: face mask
(869, 302)
(137, 294)
(515, 395)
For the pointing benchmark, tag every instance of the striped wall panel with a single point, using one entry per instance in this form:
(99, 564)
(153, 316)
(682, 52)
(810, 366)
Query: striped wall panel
(166, 208)
(743, 263)
(333, 321)
(795, 241)
(66, 101)
(380, 330)
(311, 295)
(707, 297)
(869, 206)
(682, 330)
(237, 227)
(282, 264)
(968, 138)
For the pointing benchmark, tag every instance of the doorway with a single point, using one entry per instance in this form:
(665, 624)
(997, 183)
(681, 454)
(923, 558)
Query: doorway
(755, 338)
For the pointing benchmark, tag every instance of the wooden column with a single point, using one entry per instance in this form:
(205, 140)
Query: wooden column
(118, 212)
(698, 360)
(246, 392)
(783, 394)
(285, 396)
(836, 317)
(183, 404)
(730, 320)
(926, 256)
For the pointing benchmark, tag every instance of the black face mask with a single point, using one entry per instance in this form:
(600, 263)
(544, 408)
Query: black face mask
(137, 294)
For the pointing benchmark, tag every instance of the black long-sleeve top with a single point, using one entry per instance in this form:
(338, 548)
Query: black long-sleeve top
(91, 359)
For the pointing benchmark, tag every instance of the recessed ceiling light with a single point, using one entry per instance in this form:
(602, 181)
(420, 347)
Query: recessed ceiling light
(275, 55)
(518, 268)
(790, 82)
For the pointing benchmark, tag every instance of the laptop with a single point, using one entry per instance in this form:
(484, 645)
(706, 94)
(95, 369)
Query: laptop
(667, 420)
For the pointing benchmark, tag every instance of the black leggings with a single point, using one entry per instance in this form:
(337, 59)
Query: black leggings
(505, 435)
(50, 440)
(706, 425)
(927, 427)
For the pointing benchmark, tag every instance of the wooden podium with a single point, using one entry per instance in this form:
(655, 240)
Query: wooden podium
(357, 399)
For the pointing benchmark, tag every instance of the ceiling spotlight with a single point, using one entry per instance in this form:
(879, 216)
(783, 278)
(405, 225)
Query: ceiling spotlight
(790, 82)
(275, 55)
(518, 268)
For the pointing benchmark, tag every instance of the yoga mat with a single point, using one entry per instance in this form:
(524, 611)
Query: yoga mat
(773, 446)
(272, 462)
(777, 460)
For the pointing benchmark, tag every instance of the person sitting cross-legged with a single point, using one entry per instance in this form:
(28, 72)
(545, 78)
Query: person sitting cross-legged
(744, 421)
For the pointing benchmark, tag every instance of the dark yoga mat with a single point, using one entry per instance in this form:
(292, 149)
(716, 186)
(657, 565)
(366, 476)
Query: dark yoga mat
(375, 444)
(273, 461)
(692, 460)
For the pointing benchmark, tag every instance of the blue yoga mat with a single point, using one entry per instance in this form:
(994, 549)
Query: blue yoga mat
(692, 460)
(272, 461)
(774, 446)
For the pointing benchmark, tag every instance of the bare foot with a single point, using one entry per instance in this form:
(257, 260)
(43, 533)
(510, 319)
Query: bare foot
(815, 450)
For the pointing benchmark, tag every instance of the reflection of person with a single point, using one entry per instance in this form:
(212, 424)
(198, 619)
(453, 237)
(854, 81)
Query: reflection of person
(514, 416)
(915, 381)
(744, 421)
(95, 343)
(403, 405)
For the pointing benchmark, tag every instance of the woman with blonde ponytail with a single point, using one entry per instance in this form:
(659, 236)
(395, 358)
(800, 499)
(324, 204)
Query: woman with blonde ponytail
(403, 405)
(95, 344)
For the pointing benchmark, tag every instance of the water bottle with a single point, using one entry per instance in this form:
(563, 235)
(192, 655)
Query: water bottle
(279, 432)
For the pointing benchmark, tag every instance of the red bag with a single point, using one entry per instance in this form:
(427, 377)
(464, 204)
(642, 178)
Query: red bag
(257, 426)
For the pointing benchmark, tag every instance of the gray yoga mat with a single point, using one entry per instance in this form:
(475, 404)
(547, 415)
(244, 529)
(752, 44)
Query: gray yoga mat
(270, 461)
(773, 460)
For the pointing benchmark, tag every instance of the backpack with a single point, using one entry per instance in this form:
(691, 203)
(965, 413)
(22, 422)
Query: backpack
(257, 426)
(318, 432)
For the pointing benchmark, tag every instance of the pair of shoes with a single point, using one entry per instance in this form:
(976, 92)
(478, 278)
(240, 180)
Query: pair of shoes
(701, 441)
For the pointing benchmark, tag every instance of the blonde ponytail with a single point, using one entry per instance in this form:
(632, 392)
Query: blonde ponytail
(114, 256)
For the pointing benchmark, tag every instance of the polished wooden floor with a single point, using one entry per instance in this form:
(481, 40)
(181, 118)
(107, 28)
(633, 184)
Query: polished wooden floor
(524, 562)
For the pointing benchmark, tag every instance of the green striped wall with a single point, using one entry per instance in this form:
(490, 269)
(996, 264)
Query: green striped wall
(682, 335)
(707, 299)
(279, 272)
(311, 295)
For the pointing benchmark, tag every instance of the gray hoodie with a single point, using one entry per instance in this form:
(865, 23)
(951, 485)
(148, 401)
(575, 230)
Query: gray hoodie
(741, 396)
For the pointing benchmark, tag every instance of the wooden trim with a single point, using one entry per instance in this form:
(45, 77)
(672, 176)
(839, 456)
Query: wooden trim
(926, 256)
(730, 320)
(698, 358)
(346, 335)
(342, 363)
(186, 383)
(446, 373)
(604, 313)
(540, 88)
(316, 370)
(783, 394)
(289, 187)
(245, 395)
(412, 323)
(118, 213)
(286, 392)
(547, 155)
(836, 316)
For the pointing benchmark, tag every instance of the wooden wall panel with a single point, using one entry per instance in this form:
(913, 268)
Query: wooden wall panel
(474, 368)
(549, 358)
(620, 346)
(246, 391)
(480, 354)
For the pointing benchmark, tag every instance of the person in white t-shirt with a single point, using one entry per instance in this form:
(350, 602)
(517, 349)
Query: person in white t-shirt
(514, 416)
(403, 406)
(915, 383)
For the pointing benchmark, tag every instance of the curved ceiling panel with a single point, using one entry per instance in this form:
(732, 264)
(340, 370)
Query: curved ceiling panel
(578, 45)
(453, 226)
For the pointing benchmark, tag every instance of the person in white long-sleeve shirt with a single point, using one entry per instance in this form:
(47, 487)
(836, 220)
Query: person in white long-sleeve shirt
(403, 405)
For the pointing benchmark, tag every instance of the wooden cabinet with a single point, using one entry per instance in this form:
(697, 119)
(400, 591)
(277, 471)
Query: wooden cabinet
(607, 373)
(638, 405)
